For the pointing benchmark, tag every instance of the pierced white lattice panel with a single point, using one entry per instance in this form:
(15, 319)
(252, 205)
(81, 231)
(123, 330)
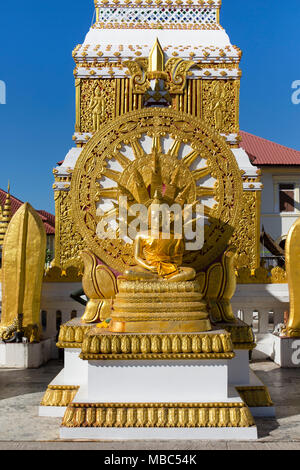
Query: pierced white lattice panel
(176, 16)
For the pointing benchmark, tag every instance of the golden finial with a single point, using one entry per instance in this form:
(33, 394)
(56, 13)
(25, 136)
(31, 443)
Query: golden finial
(156, 58)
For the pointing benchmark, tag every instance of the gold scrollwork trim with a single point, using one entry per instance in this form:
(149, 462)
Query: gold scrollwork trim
(59, 395)
(145, 357)
(158, 415)
(261, 275)
(66, 345)
(155, 25)
(157, 346)
(72, 335)
(56, 274)
(256, 396)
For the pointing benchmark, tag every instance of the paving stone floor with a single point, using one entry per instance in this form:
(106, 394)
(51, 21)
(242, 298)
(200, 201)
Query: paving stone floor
(21, 427)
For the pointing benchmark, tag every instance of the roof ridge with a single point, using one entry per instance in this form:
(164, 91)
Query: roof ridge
(42, 212)
(13, 197)
(270, 141)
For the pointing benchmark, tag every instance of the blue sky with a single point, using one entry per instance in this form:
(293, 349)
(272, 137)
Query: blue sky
(37, 123)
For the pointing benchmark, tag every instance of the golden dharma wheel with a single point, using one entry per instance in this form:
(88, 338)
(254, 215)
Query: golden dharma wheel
(141, 149)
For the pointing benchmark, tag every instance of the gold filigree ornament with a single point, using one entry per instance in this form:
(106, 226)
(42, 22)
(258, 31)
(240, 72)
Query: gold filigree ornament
(195, 163)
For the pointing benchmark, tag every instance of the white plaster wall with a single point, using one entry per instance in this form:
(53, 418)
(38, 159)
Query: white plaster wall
(275, 223)
(267, 195)
(56, 297)
(278, 225)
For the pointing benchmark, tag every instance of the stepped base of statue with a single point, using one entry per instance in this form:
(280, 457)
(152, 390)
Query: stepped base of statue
(156, 385)
(159, 306)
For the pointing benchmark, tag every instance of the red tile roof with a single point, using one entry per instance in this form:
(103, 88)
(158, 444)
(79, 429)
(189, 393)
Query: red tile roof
(47, 218)
(265, 152)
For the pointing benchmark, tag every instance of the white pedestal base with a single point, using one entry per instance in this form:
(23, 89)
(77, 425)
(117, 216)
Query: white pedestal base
(27, 356)
(156, 381)
(240, 434)
(96, 387)
(167, 382)
(211, 383)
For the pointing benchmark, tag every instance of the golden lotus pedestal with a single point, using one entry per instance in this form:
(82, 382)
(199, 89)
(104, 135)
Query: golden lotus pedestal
(159, 307)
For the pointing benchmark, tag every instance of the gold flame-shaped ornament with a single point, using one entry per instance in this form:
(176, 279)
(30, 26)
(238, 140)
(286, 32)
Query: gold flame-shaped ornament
(23, 261)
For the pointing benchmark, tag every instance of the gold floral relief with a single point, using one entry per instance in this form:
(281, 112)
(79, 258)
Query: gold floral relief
(220, 104)
(68, 241)
(246, 237)
(97, 103)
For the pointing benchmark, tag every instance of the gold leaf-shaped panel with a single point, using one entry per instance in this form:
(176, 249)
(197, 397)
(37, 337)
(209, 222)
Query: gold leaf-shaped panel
(23, 265)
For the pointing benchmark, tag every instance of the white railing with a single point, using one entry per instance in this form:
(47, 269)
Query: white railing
(261, 306)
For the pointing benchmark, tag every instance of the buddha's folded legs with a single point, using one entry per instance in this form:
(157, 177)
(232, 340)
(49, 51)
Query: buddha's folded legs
(136, 273)
(184, 274)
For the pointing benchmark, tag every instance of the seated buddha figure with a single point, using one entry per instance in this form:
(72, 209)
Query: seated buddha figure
(159, 295)
(159, 256)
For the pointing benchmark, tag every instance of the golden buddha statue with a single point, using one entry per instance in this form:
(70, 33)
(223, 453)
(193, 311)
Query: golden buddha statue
(159, 295)
(159, 257)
